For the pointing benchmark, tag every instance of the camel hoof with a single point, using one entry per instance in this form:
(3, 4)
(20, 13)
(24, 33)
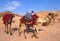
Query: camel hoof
(4, 31)
(7, 32)
(19, 34)
(31, 36)
(36, 37)
(11, 34)
(25, 37)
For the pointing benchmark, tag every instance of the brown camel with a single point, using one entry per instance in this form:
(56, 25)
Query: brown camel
(7, 20)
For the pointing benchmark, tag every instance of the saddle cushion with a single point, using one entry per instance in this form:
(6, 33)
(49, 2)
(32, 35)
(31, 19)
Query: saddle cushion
(30, 21)
(6, 18)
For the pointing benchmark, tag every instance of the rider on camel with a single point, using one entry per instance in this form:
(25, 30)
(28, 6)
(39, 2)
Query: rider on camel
(34, 16)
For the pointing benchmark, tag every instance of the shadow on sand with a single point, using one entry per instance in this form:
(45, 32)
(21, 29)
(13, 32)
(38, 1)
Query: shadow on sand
(27, 30)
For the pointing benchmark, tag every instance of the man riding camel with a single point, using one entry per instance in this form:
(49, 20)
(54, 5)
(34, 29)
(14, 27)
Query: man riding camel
(30, 21)
(30, 18)
(34, 16)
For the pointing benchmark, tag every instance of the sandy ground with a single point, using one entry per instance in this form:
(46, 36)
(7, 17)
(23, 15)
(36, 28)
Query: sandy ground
(48, 33)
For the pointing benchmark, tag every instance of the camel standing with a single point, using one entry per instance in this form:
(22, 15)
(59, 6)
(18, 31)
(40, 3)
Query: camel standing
(7, 20)
(32, 23)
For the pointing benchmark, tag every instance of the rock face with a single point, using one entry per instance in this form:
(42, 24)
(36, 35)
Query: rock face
(8, 12)
(43, 14)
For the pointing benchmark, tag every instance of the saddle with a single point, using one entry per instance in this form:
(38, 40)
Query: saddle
(6, 18)
(29, 21)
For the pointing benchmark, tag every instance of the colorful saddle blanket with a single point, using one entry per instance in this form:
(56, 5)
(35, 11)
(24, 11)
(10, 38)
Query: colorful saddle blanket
(6, 18)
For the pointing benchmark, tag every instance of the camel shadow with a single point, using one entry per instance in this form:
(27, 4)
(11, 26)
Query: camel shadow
(14, 29)
(31, 30)
(40, 29)
(26, 30)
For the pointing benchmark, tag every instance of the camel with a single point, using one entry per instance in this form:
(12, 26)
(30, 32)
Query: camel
(7, 20)
(33, 24)
(50, 18)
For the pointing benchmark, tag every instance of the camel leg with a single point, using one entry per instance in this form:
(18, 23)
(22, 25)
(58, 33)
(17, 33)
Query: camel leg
(27, 28)
(23, 30)
(7, 28)
(34, 34)
(19, 31)
(53, 20)
(10, 30)
(49, 22)
(35, 30)
(24, 34)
